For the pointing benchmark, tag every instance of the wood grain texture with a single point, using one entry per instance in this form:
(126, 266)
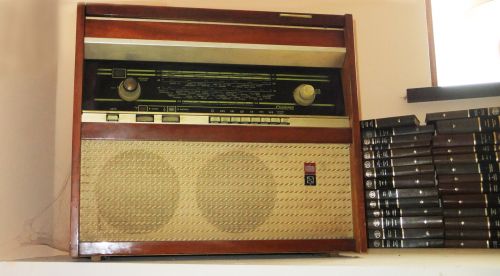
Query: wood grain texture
(113, 131)
(212, 15)
(353, 111)
(212, 33)
(76, 143)
(215, 247)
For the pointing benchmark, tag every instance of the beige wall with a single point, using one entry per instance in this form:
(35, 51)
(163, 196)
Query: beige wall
(37, 77)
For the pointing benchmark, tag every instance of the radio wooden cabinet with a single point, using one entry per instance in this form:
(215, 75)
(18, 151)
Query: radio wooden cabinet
(199, 131)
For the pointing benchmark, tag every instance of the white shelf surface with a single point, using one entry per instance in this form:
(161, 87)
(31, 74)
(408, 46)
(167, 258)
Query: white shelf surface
(406, 262)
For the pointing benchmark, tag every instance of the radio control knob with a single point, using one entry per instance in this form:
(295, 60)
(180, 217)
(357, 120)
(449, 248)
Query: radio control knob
(304, 94)
(129, 90)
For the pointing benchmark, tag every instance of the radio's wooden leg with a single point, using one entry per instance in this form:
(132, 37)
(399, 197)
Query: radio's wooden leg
(96, 258)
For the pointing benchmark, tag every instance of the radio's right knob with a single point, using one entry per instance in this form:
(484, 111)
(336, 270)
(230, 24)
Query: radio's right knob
(304, 94)
(129, 90)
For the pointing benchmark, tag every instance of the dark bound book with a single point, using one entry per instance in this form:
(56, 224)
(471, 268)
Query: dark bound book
(471, 244)
(389, 122)
(468, 125)
(468, 139)
(409, 212)
(471, 168)
(466, 149)
(463, 158)
(459, 114)
(399, 171)
(396, 153)
(396, 131)
(401, 193)
(474, 177)
(468, 188)
(401, 182)
(416, 144)
(405, 222)
(471, 201)
(397, 162)
(405, 243)
(472, 223)
(418, 233)
(484, 234)
(472, 212)
(403, 203)
(397, 139)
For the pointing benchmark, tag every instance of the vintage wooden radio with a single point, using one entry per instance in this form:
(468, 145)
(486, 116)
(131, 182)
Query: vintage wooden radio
(200, 131)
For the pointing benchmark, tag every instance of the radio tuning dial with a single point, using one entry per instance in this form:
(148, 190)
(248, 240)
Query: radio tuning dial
(129, 90)
(304, 94)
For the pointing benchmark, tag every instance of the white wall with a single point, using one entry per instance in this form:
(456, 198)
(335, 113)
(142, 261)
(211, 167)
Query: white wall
(38, 59)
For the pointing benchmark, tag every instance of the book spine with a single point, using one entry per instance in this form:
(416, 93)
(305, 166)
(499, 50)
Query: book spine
(471, 244)
(404, 203)
(405, 222)
(468, 139)
(471, 201)
(401, 193)
(396, 153)
(389, 122)
(391, 234)
(397, 139)
(468, 188)
(469, 168)
(468, 125)
(475, 177)
(463, 158)
(409, 212)
(409, 243)
(397, 145)
(472, 212)
(398, 171)
(460, 114)
(472, 223)
(398, 182)
(484, 234)
(436, 116)
(397, 162)
(466, 149)
(396, 131)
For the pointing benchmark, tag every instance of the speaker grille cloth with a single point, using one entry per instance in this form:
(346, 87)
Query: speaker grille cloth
(193, 191)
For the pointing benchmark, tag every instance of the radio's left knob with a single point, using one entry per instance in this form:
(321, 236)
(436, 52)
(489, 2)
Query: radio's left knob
(129, 90)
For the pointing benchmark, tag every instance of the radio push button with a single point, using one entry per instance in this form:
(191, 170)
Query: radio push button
(235, 120)
(170, 119)
(214, 119)
(225, 120)
(255, 120)
(265, 120)
(144, 118)
(129, 90)
(275, 121)
(112, 117)
(245, 120)
(304, 94)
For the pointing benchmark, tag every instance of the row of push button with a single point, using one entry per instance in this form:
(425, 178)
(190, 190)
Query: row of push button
(248, 120)
(145, 118)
